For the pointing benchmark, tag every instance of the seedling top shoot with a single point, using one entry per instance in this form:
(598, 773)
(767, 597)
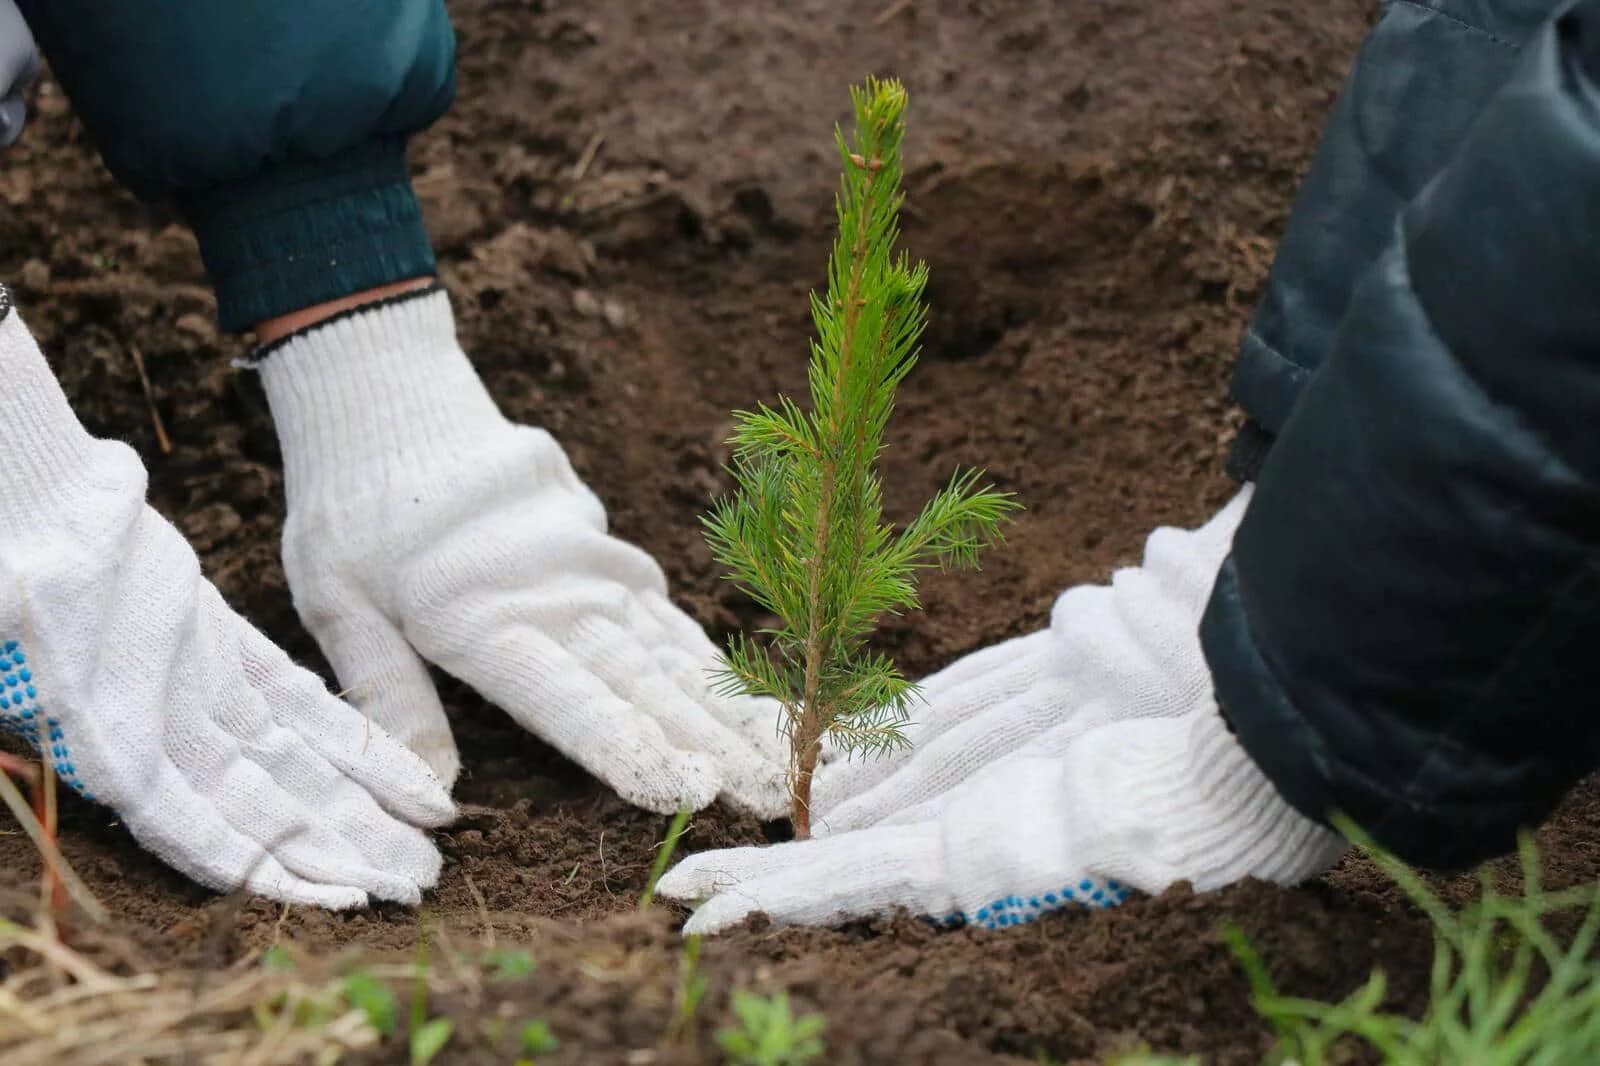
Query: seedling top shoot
(803, 532)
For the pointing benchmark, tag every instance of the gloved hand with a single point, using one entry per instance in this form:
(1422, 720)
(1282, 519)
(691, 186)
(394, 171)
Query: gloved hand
(1128, 649)
(425, 527)
(1067, 767)
(124, 667)
(19, 65)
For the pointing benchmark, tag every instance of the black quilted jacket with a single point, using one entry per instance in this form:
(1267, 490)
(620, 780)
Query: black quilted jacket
(1408, 630)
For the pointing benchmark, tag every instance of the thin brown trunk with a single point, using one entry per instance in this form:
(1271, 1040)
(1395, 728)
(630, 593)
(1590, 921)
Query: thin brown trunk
(806, 743)
(808, 748)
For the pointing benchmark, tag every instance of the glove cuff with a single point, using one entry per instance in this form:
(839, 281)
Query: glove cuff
(373, 393)
(50, 457)
(1219, 819)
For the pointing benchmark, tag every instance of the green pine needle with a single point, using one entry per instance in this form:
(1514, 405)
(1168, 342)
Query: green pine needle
(803, 533)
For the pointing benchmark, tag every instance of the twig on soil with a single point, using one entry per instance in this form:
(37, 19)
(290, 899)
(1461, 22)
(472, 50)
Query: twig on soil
(586, 159)
(605, 878)
(48, 852)
(105, 1019)
(162, 440)
(483, 911)
(891, 11)
(52, 893)
(465, 977)
(277, 930)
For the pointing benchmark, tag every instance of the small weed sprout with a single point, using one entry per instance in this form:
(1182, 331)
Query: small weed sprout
(508, 964)
(664, 850)
(1504, 990)
(803, 532)
(425, 1037)
(536, 1039)
(684, 1025)
(769, 1035)
(374, 999)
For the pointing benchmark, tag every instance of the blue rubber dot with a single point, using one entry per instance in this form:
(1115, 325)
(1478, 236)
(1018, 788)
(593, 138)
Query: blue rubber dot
(1050, 898)
(983, 914)
(1098, 896)
(998, 905)
(18, 658)
(1067, 894)
(1085, 885)
(1033, 902)
(33, 693)
(11, 646)
(11, 679)
(1113, 886)
(25, 674)
(1030, 919)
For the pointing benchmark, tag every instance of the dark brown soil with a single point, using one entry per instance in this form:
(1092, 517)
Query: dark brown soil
(631, 201)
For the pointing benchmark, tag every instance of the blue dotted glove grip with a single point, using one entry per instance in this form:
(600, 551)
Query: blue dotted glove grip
(1021, 910)
(21, 715)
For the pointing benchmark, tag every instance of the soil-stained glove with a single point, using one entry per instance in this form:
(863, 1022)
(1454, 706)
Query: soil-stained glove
(1066, 767)
(425, 527)
(19, 65)
(124, 667)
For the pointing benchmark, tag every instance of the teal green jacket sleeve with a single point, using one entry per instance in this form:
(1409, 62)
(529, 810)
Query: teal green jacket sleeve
(278, 128)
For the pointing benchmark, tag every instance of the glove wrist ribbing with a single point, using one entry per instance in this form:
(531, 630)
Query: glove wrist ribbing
(371, 391)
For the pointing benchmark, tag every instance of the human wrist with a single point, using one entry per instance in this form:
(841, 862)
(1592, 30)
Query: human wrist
(273, 330)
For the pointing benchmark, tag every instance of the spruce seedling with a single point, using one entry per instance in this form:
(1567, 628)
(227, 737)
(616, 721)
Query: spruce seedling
(803, 532)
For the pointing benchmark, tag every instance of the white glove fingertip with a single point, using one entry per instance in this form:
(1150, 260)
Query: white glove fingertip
(402, 782)
(701, 876)
(719, 914)
(305, 894)
(269, 878)
(386, 681)
(682, 780)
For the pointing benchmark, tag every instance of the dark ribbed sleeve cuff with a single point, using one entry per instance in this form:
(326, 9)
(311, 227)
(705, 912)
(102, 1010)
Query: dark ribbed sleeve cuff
(300, 234)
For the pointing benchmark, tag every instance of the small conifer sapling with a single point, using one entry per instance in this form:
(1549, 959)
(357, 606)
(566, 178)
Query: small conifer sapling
(803, 531)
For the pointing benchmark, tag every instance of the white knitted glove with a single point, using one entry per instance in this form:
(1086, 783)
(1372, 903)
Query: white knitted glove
(1129, 649)
(124, 666)
(425, 527)
(1066, 767)
(1135, 804)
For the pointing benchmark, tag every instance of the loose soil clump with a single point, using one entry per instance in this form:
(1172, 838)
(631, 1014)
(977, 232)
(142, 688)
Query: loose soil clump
(631, 201)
